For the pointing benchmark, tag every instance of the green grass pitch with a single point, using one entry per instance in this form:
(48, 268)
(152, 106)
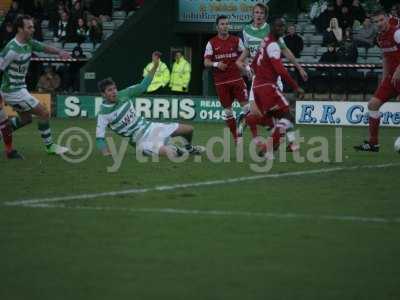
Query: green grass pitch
(322, 235)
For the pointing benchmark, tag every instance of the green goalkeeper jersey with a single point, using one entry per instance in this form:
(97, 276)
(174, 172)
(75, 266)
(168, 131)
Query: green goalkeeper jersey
(14, 62)
(121, 116)
(252, 37)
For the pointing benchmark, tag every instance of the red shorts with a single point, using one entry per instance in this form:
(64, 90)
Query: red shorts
(270, 99)
(228, 92)
(386, 90)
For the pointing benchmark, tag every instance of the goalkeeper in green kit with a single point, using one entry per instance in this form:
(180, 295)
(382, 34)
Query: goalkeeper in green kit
(118, 113)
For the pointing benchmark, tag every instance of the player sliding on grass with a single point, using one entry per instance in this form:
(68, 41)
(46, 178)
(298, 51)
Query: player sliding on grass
(14, 62)
(118, 113)
(268, 99)
(253, 35)
(389, 41)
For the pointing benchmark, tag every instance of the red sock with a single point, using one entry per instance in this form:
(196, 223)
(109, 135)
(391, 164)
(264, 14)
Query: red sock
(277, 136)
(231, 123)
(373, 130)
(253, 120)
(6, 131)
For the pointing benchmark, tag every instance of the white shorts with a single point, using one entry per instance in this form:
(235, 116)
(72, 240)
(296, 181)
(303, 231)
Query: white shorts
(156, 136)
(20, 100)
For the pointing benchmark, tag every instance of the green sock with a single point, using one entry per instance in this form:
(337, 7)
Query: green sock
(16, 123)
(45, 132)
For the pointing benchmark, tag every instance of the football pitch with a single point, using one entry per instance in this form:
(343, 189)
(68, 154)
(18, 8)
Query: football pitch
(201, 230)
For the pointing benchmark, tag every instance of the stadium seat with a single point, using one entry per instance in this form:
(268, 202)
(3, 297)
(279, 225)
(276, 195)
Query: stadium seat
(48, 35)
(116, 4)
(118, 23)
(45, 24)
(374, 60)
(308, 51)
(307, 39)
(309, 29)
(87, 47)
(308, 59)
(108, 25)
(70, 46)
(361, 60)
(316, 40)
(299, 28)
(321, 50)
(374, 52)
(119, 14)
(362, 52)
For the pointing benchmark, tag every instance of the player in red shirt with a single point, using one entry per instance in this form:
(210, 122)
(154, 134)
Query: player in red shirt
(389, 41)
(6, 134)
(221, 54)
(270, 101)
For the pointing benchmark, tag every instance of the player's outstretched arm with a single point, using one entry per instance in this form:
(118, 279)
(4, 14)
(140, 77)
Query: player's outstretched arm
(100, 135)
(52, 50)
(292, 59)
(241, 61)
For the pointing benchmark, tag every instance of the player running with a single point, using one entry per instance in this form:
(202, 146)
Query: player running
(253, 34)
(389, 41)
(118, 113)
(14, 62)
(268, 98)
(221, 53)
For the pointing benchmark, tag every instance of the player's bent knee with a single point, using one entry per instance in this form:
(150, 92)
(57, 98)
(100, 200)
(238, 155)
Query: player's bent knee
(374, 104)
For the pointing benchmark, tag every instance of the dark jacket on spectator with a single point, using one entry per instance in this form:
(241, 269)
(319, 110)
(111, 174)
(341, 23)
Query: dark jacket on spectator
(294, 43)
(348, 52)
(329, 57)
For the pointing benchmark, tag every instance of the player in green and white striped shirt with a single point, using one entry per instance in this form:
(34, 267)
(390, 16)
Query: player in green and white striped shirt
(118, 113)
(14, 63)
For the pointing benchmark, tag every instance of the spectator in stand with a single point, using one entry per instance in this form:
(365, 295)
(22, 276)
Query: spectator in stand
(317, 8)
(366, 35)
(37, 34)
(77, 12)
(294, 41)
(49, 82)
(6, 34)
(330, 56)
(347, 52)
(102, 9)
(345, 18)
(95, 31)
(324, 19)
(81, 31)
(338, 7)
(73, 70)
(357, 11)
(395, 11)
(13, 12)
(333, 34)
(65, 29)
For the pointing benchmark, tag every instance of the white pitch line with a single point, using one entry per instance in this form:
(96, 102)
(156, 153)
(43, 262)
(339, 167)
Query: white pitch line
(172, 187)
(223, 213)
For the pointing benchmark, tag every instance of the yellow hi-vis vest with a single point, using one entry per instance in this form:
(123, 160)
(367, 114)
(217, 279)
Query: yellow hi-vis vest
(180, 76)
(161, 77)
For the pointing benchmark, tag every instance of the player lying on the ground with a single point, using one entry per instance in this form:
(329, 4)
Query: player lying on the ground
(389, 41)
(253, 35)
(14, 62)
(118, 113)
(269, 100)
